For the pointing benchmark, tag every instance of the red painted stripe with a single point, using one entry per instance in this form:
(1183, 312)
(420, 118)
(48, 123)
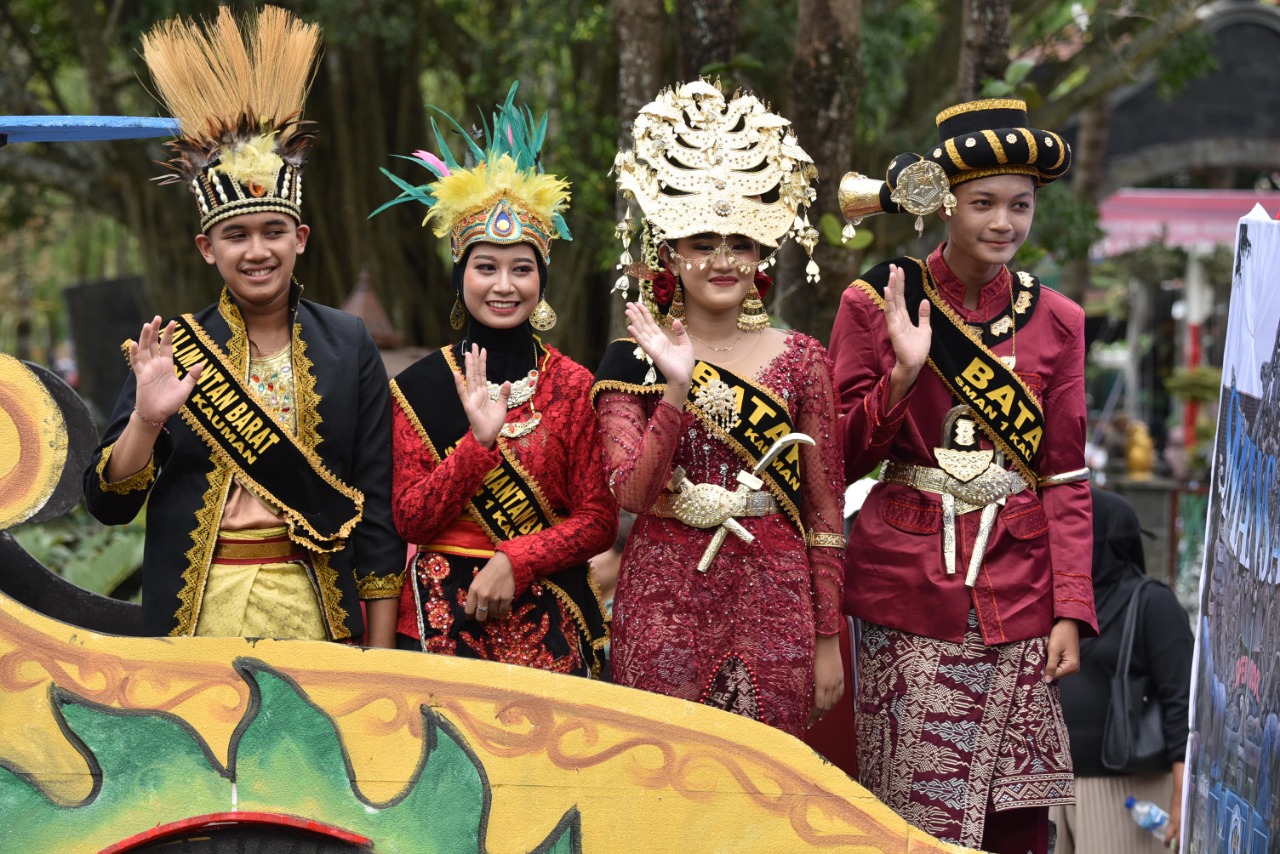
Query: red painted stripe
(206, 822)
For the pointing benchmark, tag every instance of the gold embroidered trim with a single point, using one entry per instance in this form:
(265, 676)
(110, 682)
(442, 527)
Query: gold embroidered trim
(295, 519)
(629, 388)
(380, 586)
(203, 538)
(956, 159)
(1033, 148)
(327, 581)
(975, 174)
(985, 104)
(306, 400)
(403, 403)
(1062, 150)
(994, 142)
(576, 613)
(135, 482)
(823, 540)
(238, 343)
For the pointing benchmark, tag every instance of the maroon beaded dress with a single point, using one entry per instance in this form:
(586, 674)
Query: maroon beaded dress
(740, 636)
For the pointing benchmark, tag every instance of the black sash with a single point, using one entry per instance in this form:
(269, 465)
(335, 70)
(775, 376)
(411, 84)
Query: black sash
(758, 418)
(509, 503)
(1004, 408)
(320, 509)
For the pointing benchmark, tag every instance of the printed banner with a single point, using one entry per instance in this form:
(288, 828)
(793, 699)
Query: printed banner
(1232, 803)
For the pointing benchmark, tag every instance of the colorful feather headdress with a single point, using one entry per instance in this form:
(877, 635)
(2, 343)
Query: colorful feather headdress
(501, 195)
(237, 91)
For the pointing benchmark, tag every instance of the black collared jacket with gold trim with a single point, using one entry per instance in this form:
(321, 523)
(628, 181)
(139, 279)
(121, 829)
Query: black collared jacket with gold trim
(343, 419)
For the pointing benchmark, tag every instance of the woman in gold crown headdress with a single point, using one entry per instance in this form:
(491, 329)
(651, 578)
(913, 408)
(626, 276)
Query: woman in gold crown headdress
(973, 561)
(730, 584)
(498, 476)
(266, 457)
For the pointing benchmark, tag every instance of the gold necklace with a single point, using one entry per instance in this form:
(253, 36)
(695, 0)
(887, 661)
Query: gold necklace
(736, 339)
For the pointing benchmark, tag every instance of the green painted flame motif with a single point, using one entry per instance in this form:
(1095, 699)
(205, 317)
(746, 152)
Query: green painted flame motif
(286, 757)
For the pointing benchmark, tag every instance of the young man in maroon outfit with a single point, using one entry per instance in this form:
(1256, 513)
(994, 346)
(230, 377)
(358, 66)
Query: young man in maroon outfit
(969, 564)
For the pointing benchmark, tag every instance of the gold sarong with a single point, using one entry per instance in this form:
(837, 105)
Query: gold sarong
(259, 587)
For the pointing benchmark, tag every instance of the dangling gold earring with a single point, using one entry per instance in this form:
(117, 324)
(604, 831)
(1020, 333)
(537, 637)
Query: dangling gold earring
(543, 317)
(676, 311)
(752, 316)
(457, 315)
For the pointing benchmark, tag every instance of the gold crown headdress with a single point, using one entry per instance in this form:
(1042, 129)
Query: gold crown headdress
(237, 93)
(703, 164)
(501, 196)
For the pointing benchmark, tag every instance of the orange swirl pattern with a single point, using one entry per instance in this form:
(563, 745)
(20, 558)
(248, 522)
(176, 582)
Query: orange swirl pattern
(646, 772)
(33, 443)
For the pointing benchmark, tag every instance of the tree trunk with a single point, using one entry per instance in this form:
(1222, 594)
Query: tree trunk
(357, 135)
(1089, 166)
(824, 90)
(984, 50)
(710, 35)
(638, 26)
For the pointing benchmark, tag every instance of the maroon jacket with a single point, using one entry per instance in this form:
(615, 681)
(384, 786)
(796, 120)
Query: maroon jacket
(1037, 563)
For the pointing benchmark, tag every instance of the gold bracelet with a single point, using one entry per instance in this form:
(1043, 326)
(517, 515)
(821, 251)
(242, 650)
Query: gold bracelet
(823, 540)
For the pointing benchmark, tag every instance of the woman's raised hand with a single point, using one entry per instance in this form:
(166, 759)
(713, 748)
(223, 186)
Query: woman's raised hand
(485, 414)
(160, 393)
(672, 354)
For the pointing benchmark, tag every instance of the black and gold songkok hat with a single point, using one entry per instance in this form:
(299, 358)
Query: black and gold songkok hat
(237, 89)
(976, 139)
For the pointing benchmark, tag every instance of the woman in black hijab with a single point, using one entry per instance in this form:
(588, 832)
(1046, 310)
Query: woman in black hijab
(1098, 822)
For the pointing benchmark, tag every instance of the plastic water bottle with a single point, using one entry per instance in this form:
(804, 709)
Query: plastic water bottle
(1148, 816)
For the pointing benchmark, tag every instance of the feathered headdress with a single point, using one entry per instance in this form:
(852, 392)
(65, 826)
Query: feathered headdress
(501, 195)
(237, 93)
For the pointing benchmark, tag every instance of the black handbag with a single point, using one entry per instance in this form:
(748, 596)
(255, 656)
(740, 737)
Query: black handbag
(1133, 737)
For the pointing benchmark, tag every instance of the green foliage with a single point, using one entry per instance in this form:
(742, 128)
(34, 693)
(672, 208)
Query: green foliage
(1065, 227)
(83, 551)
(1014, 84)
(895, 36)
(1202, 383)
(1187, 59)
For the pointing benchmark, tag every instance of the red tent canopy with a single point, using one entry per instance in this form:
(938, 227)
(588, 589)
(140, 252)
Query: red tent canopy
(1132, 219)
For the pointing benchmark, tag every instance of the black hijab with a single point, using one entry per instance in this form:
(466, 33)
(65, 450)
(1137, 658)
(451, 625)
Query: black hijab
(1118, 561)
(510, 352)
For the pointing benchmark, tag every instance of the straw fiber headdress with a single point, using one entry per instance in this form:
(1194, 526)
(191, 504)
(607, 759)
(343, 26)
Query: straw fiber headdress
(977, 139)
(237, 90)
(501, 195)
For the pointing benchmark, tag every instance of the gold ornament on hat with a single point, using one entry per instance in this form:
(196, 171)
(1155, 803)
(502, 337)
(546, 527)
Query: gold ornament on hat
(858, 197)
(921, 189)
